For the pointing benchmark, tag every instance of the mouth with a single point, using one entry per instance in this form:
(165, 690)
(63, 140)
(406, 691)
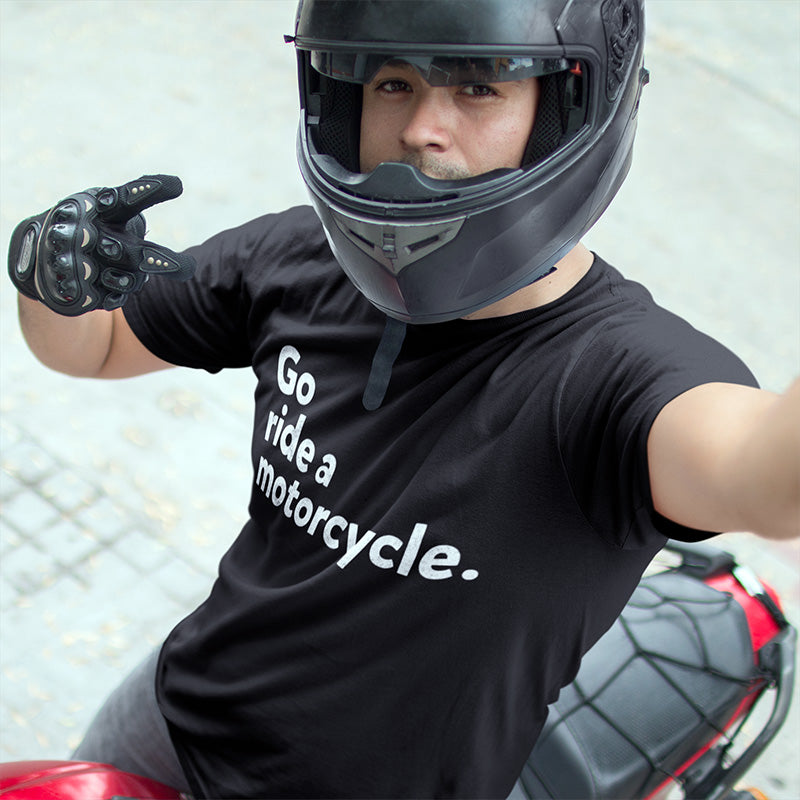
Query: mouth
(434, 166)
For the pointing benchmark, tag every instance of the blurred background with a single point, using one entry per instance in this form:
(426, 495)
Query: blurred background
(118, 499)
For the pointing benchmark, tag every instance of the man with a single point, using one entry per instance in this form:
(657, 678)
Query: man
(445, 514)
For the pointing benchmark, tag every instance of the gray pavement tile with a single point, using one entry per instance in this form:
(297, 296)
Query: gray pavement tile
(55, 726)
(9, 596)
(183, 583)
(113, 478)
(9, 539)
(9, 485)
(9, 433)
(69, 543)
(68, 491)
(36, 622)
(109, 575)
(28, 513)
(105, 519)
(142, 551)
(28, 462)
(137, 611)
(204, 533)
(29, 570)
(81, 627)
(19, 736)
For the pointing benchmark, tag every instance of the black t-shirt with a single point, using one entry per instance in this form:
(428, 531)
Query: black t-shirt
(415, 583)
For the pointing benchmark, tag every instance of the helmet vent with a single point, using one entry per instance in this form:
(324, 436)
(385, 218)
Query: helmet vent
(363, 239)
(412, 247)
(621, 23)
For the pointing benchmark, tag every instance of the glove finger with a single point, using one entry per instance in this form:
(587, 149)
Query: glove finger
(121, 203)
(158, 260)
(136, 226)
(121, 250)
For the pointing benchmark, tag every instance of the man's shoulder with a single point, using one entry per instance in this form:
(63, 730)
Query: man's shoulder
(622, 304)
(630, 336)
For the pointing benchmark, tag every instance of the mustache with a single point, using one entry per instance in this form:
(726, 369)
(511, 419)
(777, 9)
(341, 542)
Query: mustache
(431, 165)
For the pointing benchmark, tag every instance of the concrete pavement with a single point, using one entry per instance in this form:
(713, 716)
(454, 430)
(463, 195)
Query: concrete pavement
(119, 498)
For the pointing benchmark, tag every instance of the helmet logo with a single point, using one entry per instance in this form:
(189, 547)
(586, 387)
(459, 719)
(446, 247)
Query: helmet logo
(621, 23)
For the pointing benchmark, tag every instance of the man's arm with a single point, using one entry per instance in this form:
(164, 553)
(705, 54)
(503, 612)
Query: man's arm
(727, 458)
(99, 344)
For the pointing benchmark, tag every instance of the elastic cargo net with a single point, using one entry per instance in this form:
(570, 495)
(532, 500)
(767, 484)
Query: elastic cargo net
(663, 682)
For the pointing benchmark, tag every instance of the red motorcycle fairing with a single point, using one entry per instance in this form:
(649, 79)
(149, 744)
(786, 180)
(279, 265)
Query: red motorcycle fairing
(77, 780)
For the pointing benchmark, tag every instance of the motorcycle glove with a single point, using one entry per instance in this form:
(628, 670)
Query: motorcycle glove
(89, 251)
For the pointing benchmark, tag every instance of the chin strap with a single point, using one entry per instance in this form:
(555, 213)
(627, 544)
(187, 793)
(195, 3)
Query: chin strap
(381, 372)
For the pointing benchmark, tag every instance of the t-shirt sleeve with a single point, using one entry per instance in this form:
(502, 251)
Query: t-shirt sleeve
(208, 321)
(618, 384)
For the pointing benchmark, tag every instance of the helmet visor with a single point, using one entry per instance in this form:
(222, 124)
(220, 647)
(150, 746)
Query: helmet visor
(437, 70)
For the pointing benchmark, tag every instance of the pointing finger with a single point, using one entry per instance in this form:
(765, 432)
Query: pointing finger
(122, 203)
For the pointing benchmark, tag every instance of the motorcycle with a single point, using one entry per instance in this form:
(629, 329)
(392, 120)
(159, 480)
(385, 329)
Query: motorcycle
(660, 704)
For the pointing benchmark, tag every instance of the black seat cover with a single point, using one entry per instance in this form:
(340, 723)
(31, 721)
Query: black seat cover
(663, 680)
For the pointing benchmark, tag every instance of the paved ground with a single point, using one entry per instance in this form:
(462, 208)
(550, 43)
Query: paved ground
(118, 498)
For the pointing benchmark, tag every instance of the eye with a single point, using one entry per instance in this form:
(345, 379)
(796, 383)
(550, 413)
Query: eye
(393, 86)
(478, 90)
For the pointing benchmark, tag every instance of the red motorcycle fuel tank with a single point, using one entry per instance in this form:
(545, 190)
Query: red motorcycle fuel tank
(76, 780)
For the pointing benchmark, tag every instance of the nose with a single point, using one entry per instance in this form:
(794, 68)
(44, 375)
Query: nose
(431, 120)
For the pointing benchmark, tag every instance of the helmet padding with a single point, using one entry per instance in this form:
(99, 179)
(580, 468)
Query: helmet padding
(548, 127)
(339, 130)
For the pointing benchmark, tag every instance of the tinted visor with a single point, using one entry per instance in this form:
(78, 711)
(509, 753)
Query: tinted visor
(437, 70)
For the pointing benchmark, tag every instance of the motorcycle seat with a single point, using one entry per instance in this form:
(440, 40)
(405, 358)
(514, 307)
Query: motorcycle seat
(656, 688)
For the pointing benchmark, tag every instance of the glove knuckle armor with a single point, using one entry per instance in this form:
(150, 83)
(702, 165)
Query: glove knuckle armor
(88, 251)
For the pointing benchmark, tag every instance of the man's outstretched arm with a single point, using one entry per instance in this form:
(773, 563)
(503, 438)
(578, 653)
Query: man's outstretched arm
(727, 458)
(99, 344)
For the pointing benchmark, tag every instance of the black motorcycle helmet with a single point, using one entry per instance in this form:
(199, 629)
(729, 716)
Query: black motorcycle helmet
(424, 250)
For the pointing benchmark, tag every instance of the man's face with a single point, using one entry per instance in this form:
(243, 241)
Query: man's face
(447, 132)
